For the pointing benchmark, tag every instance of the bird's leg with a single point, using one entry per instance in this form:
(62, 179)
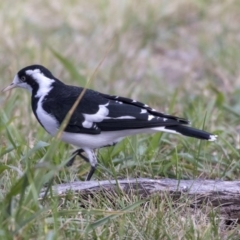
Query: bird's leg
(74, 154)
(79, 153)
(91, 172)
(93, 161)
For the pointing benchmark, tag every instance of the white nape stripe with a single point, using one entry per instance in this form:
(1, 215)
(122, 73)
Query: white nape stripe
(48, 121)
(99, 115)
(31, 72)
(45, 84)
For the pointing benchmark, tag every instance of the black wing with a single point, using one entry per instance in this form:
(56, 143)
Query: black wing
(60, 101)
(144, 106)
(125, 113)
(117, 113)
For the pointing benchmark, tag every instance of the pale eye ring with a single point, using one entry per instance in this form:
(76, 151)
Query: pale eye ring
(23, 78)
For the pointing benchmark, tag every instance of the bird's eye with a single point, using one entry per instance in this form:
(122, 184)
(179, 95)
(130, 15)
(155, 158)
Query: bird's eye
(23, 78)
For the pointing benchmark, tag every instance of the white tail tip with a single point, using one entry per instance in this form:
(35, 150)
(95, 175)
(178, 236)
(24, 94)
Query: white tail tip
(213, 138)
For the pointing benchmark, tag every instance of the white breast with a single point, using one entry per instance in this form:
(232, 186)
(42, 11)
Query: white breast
(47, 120)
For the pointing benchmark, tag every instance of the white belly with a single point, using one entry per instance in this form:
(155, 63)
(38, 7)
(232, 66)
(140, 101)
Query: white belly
(103, 139)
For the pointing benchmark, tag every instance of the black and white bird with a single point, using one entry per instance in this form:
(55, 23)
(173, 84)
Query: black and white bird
(99, 120)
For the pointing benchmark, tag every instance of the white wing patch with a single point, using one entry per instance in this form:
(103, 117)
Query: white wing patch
(87, 124)
(143, 111)
(122, 117)
(99, 116)
(163, 129)
(150, 117)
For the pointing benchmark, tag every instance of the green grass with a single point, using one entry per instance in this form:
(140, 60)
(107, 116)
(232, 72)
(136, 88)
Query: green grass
(180, 57)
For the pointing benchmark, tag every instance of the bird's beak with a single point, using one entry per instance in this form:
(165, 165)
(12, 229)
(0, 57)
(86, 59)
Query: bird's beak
(12, 85)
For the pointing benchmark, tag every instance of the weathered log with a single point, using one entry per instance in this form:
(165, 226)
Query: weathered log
(222, 194)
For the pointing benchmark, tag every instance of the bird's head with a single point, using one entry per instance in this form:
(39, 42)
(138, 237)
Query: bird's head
(32, 78)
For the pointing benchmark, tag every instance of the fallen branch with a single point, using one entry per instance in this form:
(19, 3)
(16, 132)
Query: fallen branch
(222, 194)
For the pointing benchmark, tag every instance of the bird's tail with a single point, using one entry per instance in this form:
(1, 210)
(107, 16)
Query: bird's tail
(191, 132)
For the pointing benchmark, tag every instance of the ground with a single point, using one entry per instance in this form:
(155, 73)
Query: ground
(181, 57)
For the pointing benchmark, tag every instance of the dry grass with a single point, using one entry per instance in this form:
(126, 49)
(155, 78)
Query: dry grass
(178, 56)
